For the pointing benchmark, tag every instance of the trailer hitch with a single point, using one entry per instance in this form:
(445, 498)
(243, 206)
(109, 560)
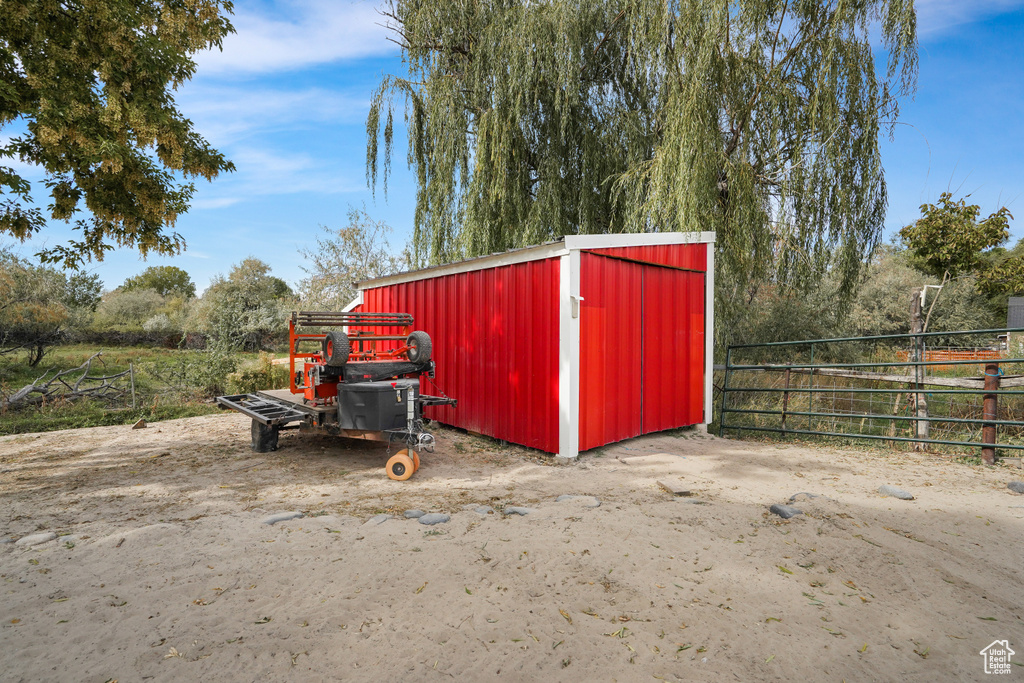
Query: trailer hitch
(428, 400)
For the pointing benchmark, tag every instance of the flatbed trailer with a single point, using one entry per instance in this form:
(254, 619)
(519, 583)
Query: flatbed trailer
(279, 409)
(376, 397)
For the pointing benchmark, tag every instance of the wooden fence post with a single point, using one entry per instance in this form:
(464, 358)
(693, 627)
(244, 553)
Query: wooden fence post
(131, 374)
(990, 411)
(922, 426)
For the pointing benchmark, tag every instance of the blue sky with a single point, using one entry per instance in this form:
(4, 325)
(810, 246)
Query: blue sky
(287, 99)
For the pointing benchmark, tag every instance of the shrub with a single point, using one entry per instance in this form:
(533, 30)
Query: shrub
(258, 374)
(197, 374)
(127, 310)
(158, 323)
(247, 310)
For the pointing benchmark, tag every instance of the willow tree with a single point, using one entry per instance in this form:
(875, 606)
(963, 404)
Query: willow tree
(758, 119)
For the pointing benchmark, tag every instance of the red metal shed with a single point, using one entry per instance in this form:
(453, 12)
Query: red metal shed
(570, 345)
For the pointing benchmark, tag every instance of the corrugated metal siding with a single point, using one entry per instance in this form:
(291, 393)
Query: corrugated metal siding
(610, 363)
(693, 256)
(673, 348)
(495, 341)
(641, 346)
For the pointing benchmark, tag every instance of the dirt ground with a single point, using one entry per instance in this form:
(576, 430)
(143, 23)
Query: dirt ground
(165, 571)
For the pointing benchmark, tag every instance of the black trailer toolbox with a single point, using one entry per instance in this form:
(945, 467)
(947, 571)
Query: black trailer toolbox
(376, 406)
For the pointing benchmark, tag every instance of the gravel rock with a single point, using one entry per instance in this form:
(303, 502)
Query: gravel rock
(585, 501)
(785, 511)
(478, 508)
(413, 514)
(795, 496)
(895, 492)
(377, 519)
(514, 510)
(36, 539)
(281, 517)
(1016, 486)
(434, 518)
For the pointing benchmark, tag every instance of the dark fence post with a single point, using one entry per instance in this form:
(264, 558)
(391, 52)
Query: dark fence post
(990, 411)
(810, 394)
(785, 402)
(725, 391)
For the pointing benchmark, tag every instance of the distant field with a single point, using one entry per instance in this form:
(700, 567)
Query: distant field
(159, 391)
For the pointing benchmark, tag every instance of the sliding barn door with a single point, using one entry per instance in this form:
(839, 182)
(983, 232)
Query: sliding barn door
(673, 348)
(641, 349)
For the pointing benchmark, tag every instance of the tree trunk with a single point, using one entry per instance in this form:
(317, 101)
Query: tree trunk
(35, 354)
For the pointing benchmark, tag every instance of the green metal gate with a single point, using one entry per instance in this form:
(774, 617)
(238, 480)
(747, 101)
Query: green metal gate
(763, 397)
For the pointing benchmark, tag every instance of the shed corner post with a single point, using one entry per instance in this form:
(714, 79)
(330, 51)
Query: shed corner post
(569, 310)
(709, 330)
(357, 301)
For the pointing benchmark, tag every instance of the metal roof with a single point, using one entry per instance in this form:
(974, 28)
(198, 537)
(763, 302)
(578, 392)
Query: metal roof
(546, 250)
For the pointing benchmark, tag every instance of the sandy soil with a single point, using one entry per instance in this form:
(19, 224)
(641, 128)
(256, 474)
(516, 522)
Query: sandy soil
(169, 573)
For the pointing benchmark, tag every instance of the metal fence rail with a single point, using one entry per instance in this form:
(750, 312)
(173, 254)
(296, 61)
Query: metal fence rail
(756, 396)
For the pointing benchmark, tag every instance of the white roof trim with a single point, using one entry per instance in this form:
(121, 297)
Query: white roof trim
(356, 302)
(638, 239)
(544, 251)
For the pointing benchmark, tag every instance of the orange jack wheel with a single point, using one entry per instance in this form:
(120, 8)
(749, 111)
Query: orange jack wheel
(414, 456)
(400, 467)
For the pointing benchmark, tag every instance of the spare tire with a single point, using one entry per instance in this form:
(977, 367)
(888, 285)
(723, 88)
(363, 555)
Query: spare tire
(336, 348)
(419, 347)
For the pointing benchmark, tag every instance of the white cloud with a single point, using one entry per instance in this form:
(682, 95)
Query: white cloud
(938, 16)
(261, 172)
(215, 203)
(225, 114)
(299, 34)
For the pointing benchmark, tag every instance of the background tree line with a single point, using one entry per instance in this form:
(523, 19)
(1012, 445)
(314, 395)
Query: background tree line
(247, 309)
(244, 310)
(948, 247)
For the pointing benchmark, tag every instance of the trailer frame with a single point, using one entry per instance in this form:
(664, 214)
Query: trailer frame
(305, 408)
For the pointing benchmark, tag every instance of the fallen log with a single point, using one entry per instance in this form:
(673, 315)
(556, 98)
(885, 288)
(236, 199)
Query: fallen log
(62, 387)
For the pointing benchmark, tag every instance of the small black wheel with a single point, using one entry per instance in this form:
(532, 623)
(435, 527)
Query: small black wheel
(419, 347)
(336, 348)
(264, 437)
